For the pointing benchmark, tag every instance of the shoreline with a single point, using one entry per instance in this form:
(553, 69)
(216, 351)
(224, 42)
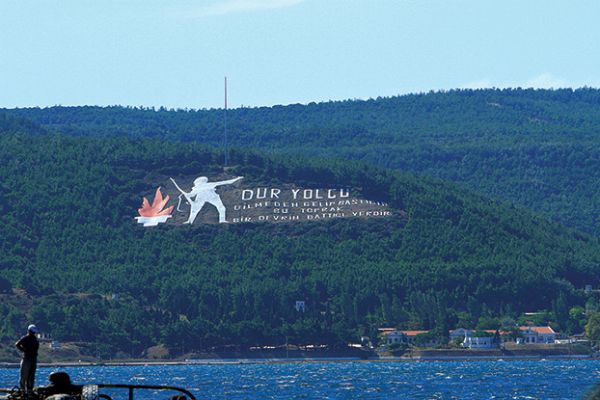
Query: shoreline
(302, 360)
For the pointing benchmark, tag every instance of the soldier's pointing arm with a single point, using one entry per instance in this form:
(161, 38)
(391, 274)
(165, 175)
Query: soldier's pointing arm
(228, 182)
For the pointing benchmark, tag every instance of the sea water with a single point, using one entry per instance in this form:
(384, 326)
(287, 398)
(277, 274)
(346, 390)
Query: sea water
(553, 379)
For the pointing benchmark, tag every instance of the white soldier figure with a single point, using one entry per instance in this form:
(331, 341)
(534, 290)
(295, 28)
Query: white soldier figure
(204, 192)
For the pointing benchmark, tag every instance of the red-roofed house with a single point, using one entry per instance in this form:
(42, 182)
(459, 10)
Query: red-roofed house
(397, 336)
(538, 334)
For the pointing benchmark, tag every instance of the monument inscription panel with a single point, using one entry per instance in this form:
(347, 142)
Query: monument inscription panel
(204, 200)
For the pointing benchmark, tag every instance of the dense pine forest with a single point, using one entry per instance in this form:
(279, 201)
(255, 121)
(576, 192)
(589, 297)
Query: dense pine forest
(69, 241)
(536, 148)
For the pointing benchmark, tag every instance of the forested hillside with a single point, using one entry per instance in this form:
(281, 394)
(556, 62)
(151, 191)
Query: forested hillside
(69, 240)
(537, 148)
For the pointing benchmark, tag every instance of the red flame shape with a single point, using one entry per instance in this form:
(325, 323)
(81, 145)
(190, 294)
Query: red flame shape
(156, 210)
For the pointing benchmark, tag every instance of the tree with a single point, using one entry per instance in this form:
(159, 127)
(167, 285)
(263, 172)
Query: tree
(5, 285)
(592, 328)
(577, 321)
(487, 322)
(426, 339)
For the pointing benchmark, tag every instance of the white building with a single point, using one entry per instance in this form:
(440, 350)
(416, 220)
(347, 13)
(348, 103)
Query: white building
(460, 333)
(44, 337)
(538, 334)
(404, 337)
(300, 306)
(486, 342)
(395, 337)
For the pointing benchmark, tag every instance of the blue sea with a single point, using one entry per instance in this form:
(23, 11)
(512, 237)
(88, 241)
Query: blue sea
(556, 379)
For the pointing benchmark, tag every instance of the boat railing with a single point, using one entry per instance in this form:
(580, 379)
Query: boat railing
(93, 392)
(132, 388)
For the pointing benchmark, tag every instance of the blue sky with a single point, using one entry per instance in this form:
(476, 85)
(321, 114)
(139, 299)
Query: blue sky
(175, 53)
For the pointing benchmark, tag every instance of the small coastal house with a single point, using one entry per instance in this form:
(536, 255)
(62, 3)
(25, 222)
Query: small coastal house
(394, 336)
(479, 342)
(384, 333)
(579, 338)
(538, 334)
(459, 333)
(588, 289)
(300, 306)
(44, 337)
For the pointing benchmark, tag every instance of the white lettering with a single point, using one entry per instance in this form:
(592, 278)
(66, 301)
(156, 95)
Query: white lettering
(260, 195)
(247, 194)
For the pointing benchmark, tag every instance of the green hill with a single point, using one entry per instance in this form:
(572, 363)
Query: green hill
(536, 148)
(69, 239)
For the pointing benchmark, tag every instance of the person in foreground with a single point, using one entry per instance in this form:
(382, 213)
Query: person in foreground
(28, 345)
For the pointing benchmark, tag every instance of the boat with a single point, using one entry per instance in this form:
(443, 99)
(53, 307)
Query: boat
(60, 388)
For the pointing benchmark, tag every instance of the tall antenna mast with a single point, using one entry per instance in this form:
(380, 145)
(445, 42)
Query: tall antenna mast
(225, 124)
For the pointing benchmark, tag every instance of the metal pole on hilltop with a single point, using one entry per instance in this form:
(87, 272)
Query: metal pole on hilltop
(225, 125)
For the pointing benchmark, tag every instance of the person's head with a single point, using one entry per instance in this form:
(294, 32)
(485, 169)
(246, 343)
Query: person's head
(32, 329)
(200, 181)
